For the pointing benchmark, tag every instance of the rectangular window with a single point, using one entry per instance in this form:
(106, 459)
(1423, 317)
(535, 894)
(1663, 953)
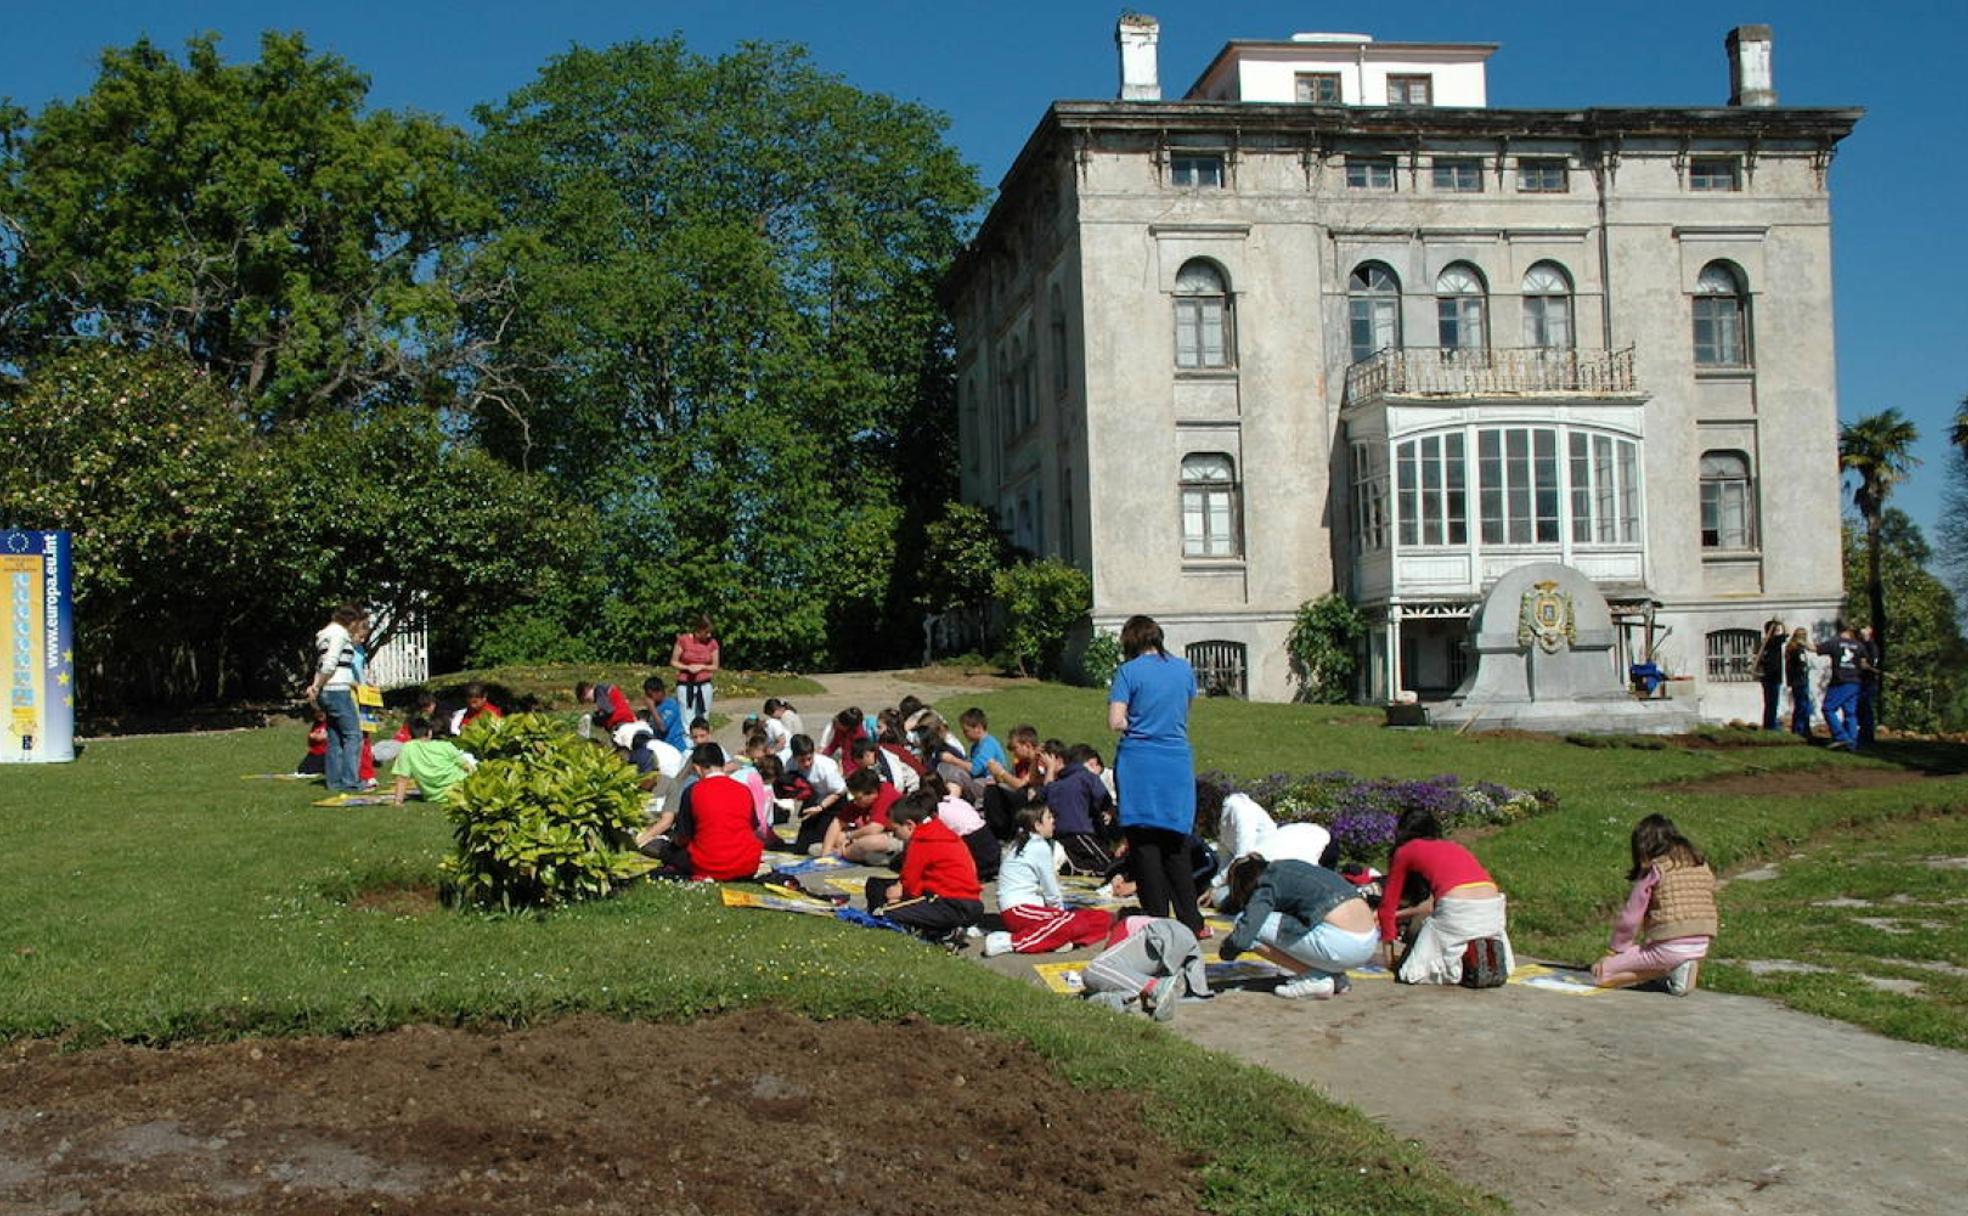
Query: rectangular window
(1517, 485)
(1369, 497)
(1200, 332)
(1605, 493)
(1190, 169)
(1410, 90)
(1732, 655)
(1318, 88)
(1459, 174)
(1434, 506)
(1725, 514)
(1369, 173)
(1719, 332)
(1209, 506)
(1542, 175)
(1714, 173)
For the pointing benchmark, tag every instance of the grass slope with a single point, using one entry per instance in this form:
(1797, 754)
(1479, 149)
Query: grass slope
(150, 895)
(1565, 872)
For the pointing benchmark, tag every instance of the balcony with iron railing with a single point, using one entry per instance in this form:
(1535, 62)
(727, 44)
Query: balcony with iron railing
(1445, 372)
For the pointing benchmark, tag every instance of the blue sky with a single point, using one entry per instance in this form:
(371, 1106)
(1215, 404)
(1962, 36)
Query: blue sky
(993, 67)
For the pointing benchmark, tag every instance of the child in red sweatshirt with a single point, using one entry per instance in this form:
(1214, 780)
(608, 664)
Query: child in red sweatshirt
(938, 895)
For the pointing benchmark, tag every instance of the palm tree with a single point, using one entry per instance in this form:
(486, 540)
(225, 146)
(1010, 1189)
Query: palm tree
(1958, 433)
(1880, 450)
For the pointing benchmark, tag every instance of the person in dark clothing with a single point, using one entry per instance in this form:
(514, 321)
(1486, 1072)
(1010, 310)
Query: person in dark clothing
(1770, 670)
(1797, 674)
(1869, 675)
(1842, 696)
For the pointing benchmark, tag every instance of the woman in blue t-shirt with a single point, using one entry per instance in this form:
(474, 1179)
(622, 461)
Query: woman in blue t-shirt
(1154, 770)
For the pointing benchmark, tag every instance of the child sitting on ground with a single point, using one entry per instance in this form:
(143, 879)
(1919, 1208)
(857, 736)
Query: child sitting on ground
(477, 705)
(1080, 806)
(433, 765)
(1035, 915)
(938, 895)
(314, 763)
(1670, 912)
(716, 827)
(1303, 917)
(860, 828)
(1015, 785)
(962, 818)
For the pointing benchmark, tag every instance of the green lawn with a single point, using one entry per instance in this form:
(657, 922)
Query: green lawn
(1564, 872)
(552, 686)
(150, 895)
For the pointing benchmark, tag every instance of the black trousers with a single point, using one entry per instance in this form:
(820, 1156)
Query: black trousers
(927, 916)
(1772, 693)
(986, 852)
(812, 830)
(1166, 885)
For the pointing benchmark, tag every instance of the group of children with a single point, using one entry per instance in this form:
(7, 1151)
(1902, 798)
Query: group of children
(421, 756)
(897, 790)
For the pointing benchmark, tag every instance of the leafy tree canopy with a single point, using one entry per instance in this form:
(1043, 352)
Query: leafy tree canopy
(250, 215)
(1926, 686)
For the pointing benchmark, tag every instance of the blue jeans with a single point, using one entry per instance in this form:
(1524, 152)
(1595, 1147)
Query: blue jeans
(1841, 711)
(344, 738)
(1800, 712)
(1326, 949)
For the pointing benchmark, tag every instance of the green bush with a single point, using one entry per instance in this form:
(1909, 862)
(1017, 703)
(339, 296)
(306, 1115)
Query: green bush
(1042, 602)
(546, 819)
(1102, 658)
(1322, 649)
(528, 636)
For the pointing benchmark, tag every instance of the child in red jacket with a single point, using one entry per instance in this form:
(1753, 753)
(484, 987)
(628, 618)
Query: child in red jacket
(938, 896)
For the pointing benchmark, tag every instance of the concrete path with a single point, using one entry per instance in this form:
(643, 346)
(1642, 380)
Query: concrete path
(1622, 1102)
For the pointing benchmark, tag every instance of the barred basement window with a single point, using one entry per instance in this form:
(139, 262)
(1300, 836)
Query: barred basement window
(1221, 669)
(1732, 656)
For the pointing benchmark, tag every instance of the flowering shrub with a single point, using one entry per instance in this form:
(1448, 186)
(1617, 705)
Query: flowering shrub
(1361, 811)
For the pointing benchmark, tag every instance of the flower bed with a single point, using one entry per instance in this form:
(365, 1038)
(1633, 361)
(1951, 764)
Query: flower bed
(1361, 811)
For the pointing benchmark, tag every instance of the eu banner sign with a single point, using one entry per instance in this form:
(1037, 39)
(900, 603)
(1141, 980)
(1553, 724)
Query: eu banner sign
(37, 649)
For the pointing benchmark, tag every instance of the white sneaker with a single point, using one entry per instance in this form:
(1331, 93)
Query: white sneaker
(997, 943)
(1681, 980)
(1306, 987)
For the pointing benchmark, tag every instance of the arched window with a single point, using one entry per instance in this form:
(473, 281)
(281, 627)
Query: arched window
(1461, 309)
(1721, 318)
(1202, 316)
(1211, 512)
(1728, 515)
(1547, 307)
(1374, 310)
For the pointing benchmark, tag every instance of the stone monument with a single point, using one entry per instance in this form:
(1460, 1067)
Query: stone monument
(1542, 642)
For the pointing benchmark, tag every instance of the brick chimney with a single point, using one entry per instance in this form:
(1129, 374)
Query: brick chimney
(1750, 79)
(1137, 35)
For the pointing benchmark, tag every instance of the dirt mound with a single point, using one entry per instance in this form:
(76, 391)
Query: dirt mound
(745, 1113)
(1795, 782)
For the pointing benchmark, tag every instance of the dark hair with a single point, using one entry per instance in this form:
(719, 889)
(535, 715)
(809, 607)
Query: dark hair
(348, 614)
(862, 746)
(918, 806)
(802, 745)
(702, 624)
(700, 722)
(1417, 823)
(426, 698)
(850, 719)
(707, 755)
(975, 717)
(757, 738)
(1139, 634)
(1080, 753)
(1209, 809)
(769, 768)
(1656, 837)
(864, 781)
(934, 783)
(420, 727)
(474, 689)
(1056, 747)
(1243, 878)
(1028, 735)
(907, 707)
(1028, 824)
(652, 686)
(772, 703)
(583, 690)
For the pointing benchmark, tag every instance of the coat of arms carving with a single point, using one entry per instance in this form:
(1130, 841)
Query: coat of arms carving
(1546, 619)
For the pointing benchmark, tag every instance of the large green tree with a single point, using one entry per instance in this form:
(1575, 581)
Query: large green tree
(710, 305)
(1878, 450)
(1928, 679)
(251, 215)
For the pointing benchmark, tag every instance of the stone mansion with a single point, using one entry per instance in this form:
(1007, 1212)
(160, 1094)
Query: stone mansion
(1331, 323)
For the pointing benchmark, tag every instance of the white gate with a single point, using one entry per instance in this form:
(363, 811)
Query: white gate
(404, 659)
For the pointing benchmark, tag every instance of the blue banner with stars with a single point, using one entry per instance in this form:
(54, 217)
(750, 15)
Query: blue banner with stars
(37, 649)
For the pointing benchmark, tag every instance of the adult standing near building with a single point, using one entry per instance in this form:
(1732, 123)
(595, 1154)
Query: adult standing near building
(1155, 770)
(695, 658)
(1841, 703)
(333, 691)
(1770, 670)
(1869, 677)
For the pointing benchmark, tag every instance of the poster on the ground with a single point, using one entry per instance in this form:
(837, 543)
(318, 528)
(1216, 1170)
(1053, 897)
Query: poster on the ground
(37, 649)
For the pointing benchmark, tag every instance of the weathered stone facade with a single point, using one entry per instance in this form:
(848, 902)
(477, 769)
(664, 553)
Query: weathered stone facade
(1231, 355)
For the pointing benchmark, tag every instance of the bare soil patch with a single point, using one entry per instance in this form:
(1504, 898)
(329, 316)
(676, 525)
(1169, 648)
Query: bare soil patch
(1796, 782)
(752, 1112)
(961, 677)
(397, 899)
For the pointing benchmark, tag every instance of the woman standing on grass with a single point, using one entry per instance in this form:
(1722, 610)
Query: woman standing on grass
(332, 690)
(695, 658)
(1154, 769)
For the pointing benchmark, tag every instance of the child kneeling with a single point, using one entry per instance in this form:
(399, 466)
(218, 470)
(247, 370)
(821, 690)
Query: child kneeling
(1035, 916)
(1670, 912)
(938, 896)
